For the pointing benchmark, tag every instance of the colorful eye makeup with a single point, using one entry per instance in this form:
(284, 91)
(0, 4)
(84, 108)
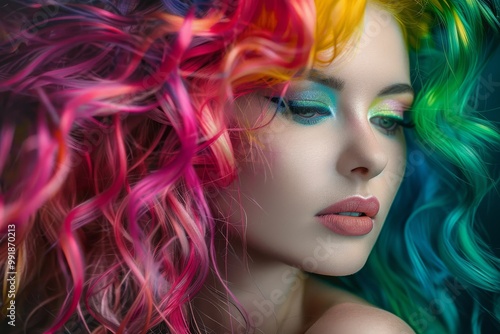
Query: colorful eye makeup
(389, 116)
(309, 103)
(306, 103)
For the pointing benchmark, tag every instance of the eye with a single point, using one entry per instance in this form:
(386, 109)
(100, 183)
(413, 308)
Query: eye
(386, 123)
(390, 124)
(303, 111)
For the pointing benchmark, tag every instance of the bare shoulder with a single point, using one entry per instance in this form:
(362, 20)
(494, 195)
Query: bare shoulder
(351, 317)
(336, 311)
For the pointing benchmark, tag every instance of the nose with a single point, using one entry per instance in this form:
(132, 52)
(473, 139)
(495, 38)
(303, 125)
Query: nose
(362, 155)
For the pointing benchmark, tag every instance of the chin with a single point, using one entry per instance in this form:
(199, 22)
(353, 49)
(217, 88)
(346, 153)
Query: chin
(342, 268)
(336, 258)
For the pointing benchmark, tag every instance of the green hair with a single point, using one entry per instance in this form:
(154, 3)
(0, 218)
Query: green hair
(424, 276)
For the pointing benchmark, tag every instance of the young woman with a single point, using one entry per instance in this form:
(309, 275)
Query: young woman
(228, 166)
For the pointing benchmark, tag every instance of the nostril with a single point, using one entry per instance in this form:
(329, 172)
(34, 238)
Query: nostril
(360, 170)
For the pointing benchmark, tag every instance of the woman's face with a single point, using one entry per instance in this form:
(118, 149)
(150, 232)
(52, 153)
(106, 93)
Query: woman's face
(336, 136)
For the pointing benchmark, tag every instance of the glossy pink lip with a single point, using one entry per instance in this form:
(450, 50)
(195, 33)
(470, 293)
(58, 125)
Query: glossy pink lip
(350, 225)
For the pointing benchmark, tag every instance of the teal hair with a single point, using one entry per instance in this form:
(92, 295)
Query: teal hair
(441, 259)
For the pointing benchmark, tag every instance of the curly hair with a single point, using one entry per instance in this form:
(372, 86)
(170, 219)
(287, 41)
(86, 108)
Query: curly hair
(113, 138)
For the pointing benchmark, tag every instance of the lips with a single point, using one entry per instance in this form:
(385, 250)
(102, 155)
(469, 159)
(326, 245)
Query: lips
(350, 217)
(367, 206)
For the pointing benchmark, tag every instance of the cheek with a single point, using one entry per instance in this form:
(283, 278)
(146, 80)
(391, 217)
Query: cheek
(254, 187)
(395, 170)
(270, 175)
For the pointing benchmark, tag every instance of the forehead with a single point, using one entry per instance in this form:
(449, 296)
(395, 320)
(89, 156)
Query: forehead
(375, 58)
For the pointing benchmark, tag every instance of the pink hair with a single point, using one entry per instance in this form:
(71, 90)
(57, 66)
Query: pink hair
(114, 136)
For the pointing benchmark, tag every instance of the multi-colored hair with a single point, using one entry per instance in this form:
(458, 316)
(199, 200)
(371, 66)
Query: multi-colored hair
(114, 137)
(430, 256)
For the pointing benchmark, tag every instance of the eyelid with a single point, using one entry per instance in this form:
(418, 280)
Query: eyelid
(304, 104)
(391, 108)
(311, 91)
(304, 112)
(386, 113)
(309, 103)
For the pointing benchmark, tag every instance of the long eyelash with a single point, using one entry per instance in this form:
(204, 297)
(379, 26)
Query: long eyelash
(278, 100)
(290, 105)
(296, 110)
(406, 124)
(402, 123)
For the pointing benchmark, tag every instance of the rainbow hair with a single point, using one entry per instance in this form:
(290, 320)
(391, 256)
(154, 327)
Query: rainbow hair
(430, 255)
(115, 139)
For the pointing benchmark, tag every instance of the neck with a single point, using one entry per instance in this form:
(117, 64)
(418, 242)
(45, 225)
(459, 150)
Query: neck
(270, 291)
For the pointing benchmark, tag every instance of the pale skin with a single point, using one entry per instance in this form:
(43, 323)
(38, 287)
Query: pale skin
(302, 169)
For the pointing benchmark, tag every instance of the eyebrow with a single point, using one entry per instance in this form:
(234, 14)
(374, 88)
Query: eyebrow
(333, 82)
(339, 84)
(399, 88)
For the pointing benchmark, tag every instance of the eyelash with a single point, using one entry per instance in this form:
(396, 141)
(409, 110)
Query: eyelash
(296, 110)
(397, 123)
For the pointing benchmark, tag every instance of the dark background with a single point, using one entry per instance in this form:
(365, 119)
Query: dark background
(488, 102)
